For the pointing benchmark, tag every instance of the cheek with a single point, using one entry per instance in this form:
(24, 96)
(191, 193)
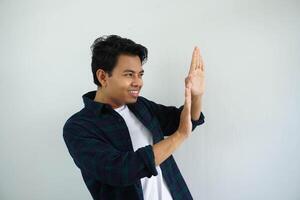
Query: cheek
(124, 85)
(120, 83)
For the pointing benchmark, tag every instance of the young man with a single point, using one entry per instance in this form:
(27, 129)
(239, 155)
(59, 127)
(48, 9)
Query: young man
(117, 139)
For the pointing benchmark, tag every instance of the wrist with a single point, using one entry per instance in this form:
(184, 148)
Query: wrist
(195, 97)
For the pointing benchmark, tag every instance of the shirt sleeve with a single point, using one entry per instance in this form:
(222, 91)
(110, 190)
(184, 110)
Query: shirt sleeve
(169, 117)
(108, 165)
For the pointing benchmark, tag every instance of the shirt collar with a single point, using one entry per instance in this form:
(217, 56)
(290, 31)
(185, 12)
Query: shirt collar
(97, 107)
(90, 104)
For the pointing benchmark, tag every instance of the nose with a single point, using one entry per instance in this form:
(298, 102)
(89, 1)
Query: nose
(137, 81)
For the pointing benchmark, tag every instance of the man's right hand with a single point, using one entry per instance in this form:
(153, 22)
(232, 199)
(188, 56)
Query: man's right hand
(185, 125)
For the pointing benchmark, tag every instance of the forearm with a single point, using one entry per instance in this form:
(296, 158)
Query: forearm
(196, 107)
(163, 149)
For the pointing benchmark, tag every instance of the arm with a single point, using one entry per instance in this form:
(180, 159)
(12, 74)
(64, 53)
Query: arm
(163, 149)
(110, 166)
(166, 147)
(107, 164)
(169, 117)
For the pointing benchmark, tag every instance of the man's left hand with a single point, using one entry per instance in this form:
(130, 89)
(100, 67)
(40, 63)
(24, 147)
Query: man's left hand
(196, 74)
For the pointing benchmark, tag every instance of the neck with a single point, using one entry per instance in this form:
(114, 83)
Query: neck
(101, 97)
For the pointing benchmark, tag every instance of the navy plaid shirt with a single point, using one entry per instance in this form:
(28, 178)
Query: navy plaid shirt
(99, 142)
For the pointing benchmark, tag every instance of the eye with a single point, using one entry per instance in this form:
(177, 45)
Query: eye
(128, 74)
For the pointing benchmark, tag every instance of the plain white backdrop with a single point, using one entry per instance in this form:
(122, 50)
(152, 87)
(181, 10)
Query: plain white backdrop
(249, 146)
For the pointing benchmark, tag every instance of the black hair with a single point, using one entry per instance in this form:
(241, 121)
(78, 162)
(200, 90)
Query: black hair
(107, 49)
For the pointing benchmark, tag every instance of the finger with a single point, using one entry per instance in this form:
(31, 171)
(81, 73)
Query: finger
(198, 58)
(188, 83)
(201, 62)
(187, 80)
(187, 102)
(203, 66)
(193, 62)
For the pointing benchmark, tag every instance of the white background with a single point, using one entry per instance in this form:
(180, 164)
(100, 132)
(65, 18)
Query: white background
(249, 146)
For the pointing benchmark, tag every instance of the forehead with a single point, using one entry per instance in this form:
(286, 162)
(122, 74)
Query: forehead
(128, 62)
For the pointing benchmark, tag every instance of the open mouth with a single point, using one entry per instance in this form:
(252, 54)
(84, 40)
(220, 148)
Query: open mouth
(134, 93)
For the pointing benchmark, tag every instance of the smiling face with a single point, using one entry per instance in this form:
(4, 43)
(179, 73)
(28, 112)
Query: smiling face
(124, 85)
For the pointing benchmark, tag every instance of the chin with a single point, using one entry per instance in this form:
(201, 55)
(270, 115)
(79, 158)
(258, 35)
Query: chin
(131, 100)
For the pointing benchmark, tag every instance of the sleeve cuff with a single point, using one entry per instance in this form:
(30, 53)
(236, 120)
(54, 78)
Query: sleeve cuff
(148, 156)
(198, 121)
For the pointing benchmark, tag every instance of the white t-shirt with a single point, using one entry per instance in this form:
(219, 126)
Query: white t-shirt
(155, 187)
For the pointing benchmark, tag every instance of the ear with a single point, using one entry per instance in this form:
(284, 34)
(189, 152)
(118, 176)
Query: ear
(102, 77)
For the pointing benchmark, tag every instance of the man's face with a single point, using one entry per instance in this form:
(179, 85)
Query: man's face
(124, 85)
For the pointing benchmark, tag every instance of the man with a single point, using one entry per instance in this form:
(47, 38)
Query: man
(118, 139)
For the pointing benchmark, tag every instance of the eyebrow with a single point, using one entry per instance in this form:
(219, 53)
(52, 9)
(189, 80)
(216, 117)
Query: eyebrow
(129, 70)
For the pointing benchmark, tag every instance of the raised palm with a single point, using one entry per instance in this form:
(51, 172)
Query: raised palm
(196, 74)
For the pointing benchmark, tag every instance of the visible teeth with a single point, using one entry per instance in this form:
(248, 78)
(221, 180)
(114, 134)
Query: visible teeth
(133, 91)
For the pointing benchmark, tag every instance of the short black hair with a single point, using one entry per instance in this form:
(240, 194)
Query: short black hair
(106, 50)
